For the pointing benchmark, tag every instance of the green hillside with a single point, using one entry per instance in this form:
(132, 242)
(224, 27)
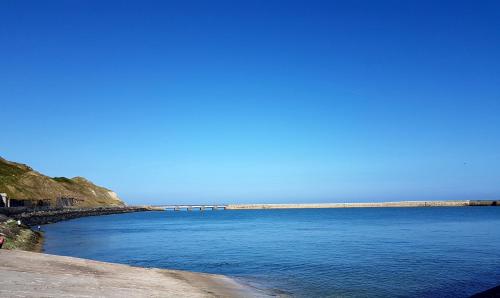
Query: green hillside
(20, 181)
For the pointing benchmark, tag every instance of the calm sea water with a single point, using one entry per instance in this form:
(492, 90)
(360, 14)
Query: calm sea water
(406, 252)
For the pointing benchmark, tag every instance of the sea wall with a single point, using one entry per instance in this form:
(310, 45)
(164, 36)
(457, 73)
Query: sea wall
(38, 217)
(457, 203)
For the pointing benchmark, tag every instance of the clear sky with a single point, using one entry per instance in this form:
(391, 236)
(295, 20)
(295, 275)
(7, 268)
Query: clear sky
(256, 101)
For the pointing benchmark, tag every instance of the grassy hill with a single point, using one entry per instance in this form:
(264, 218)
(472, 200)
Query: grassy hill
(20, 181)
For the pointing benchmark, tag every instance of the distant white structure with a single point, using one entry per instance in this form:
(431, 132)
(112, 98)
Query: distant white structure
(4, 202)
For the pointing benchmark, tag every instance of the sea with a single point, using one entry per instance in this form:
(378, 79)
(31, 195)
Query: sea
(357, 252)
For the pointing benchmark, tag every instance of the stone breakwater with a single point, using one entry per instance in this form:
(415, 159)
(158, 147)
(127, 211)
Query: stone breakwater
(39, 217)
(457, 203)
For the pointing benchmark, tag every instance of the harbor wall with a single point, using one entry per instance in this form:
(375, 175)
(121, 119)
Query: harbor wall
(455, 203)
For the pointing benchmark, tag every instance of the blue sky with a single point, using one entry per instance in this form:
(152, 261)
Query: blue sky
(256, 101)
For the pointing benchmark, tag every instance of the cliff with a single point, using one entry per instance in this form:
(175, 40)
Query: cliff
(20, 181)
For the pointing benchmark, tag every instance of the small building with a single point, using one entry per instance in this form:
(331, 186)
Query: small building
(20, 203)
(42, 203)
(8, 202)
(5, 201)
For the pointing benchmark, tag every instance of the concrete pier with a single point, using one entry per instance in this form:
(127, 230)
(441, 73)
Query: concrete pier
(456, 203)
(452, 203)
(191, 207)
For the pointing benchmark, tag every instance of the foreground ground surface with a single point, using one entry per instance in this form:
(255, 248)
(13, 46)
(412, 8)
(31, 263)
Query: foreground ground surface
(29, 274)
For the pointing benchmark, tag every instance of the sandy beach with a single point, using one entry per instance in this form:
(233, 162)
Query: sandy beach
(30, 274)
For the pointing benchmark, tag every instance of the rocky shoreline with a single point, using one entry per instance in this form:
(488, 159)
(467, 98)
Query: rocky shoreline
(22, 237)
(33, 217)
(19, 237)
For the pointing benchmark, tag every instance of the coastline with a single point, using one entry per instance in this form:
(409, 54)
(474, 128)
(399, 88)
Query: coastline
(33, 217)
(114, 280)
(31, 274)
(23, 237)
(20, 237)
(23, 261)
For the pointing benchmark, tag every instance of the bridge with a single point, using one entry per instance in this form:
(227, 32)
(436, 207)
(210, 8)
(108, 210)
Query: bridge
(192, 207)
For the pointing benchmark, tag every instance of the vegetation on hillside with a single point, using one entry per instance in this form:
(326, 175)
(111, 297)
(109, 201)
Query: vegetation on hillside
(20, 181)
(63, 179)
